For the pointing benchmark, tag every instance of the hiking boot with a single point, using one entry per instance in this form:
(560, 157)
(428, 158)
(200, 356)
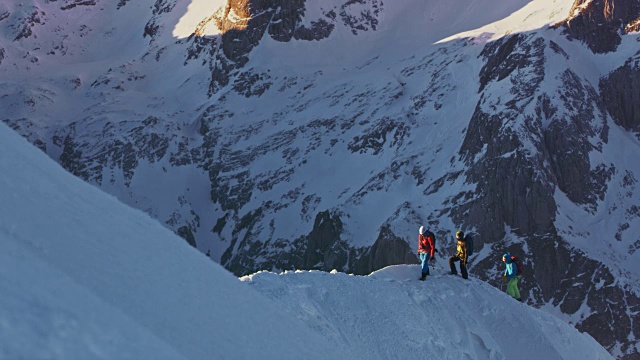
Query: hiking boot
(453, 273)
(424, 276)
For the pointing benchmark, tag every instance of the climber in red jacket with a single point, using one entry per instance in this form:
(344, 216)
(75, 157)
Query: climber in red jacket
(426, 249)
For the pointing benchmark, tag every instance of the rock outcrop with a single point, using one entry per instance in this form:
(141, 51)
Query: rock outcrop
(620, 93)
(600, 23)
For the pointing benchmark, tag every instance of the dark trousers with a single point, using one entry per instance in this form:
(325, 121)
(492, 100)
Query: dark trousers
(463, 266)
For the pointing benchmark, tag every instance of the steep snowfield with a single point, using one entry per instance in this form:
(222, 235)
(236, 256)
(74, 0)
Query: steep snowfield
(83, 276)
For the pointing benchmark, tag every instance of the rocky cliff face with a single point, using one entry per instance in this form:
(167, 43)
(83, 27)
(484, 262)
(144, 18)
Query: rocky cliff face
(621, 95)
(600, 23)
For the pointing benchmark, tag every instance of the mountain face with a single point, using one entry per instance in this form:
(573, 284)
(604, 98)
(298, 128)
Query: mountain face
(305, 135)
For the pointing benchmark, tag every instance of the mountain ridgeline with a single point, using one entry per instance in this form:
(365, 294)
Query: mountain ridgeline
(287, 134)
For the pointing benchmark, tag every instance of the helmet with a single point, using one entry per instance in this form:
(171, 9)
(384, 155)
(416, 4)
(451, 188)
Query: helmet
(421, 230)
(459, 234)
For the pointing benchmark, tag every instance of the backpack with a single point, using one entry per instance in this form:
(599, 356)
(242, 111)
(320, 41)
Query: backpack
(433, 236)
(469, 241)
(516, 261)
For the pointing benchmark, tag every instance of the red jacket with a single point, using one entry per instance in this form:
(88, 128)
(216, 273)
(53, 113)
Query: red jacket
(425, 244)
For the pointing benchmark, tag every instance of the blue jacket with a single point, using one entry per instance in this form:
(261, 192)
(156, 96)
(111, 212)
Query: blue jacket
(511, 269)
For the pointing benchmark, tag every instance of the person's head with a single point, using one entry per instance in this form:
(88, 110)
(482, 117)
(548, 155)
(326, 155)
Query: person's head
(506, 258)
(421, 231)
(460, 235)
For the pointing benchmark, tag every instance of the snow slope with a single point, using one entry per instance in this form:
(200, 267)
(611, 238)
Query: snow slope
(82, 276)
(391, 315)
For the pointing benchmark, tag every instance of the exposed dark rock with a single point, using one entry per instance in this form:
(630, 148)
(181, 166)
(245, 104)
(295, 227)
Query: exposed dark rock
(245, 247)
(611, 322)
(72, 160)
(599, 23)
(144, 140)
(122, 3)
(30, 131)
(285, 18)
(150, 29)
(238, 39)
(364, 20)
(568, 145)
(503, 57)
(376, 137)
(232, 193)
(324, 251)
(37, 17)
(436, 185)
(515, 194)
(159, 7)
(557, 49)
(250, 84)
(164, 6)
(185, 233)
(220, 224)
(389, 249)
(72, 4)
(620, 93)
(320, 29)
(309, 205)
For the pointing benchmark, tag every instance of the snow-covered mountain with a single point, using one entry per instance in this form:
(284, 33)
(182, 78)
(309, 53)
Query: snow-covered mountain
(85, 277)
(291, 134)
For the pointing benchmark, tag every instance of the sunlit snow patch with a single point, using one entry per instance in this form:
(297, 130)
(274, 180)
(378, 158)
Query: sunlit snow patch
(199, 19)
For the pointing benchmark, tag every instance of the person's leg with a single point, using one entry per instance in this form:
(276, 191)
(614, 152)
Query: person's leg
(452, 266)
(512, 287)
(516, 291)
(463, 270)
(424, 258)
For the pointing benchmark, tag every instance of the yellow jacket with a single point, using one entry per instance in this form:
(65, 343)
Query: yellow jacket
(462, 250)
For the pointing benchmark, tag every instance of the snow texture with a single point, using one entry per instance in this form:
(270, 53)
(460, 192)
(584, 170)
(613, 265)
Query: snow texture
(83, 276)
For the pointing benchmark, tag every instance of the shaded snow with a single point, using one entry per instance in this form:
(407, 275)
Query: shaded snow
(82, 276)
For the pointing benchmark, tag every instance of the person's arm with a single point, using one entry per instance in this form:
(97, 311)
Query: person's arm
(511, 270)
(432, 253)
